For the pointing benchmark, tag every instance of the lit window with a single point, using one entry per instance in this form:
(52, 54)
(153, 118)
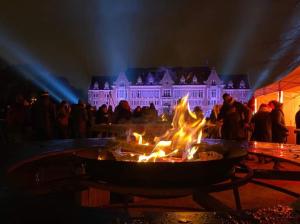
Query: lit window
(230, 84)
(213, 93)
(182, 80)
(195, 80)
(242, 84)
(167, 93)
(201, 94)
(139, 81)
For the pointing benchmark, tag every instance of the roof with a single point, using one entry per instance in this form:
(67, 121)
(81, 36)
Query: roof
(101, 80)
(290, 82)
(201, 73)
(176, 73)
(236, 80)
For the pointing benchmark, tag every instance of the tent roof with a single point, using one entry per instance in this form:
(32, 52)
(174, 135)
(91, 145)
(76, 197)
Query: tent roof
(290, 82)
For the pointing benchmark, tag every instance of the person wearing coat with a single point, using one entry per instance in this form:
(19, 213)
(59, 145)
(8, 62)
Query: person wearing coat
(235, 117)
(279, 130)
(262, 125)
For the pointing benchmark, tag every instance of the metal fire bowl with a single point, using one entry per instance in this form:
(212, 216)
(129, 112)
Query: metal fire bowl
(163, 174)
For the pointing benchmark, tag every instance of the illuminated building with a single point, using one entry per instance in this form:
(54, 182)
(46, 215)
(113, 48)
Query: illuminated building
(164, 86)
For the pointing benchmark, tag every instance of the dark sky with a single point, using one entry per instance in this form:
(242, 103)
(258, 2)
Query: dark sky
(77, 39)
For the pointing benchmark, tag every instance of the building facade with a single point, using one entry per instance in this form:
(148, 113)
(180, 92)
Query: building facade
(165, 86)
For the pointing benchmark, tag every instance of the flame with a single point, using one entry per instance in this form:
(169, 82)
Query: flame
(164, 118)
(180, 139)
(139, 138)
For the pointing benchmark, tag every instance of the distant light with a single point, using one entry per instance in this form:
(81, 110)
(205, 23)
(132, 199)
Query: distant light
(36, 72)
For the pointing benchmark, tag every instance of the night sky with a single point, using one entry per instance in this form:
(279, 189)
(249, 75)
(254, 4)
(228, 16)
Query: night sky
(77, 39)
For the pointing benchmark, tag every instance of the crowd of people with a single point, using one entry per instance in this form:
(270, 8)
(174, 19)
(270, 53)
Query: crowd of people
(237, 121)
(44, 120)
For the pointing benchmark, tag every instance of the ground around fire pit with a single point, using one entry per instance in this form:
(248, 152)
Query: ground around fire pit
(260, 205)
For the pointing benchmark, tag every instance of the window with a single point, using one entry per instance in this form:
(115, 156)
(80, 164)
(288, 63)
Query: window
(182, 80)
(138, 94)
(195, 80)
(201, 94)
(166, 93)
(213, 93)
(242, 84)
(213, 82)
(121, 93)
(139, 81)
(194, 94)
(230, 84)
(96, 85)
(106, 85)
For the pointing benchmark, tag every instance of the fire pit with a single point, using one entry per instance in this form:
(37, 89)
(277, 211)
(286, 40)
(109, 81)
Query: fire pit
(163, 174)
(177, 158)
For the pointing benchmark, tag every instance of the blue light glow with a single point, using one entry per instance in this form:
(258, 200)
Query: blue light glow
(116, 35)
(36, 72)
(287, 42)
(250, 16)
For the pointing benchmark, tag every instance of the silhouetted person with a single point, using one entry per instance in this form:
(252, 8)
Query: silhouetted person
(262, 124)
(297, 120)
(122, 112)
(44, 117)
(79, 118)
(137, 115)
(110, 113)
(63, 117)
(279, 130)
(17, 119)
(102, 115)
(153, 112)
(235, 117)
(214, 113)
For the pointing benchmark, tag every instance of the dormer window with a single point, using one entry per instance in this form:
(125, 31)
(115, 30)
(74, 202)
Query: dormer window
(96, 85)
(242, 84)
(122, 84)
(230, 85)
(213, 82)
(139, 81)
(195, 80)
(106, 85)
(182, 80)
(150, 79)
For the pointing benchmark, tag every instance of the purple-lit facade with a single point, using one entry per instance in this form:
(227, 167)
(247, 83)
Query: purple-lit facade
(164, 86)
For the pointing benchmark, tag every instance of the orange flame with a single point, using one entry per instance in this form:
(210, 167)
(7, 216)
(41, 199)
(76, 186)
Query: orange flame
(139, 138)
(179, 140)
